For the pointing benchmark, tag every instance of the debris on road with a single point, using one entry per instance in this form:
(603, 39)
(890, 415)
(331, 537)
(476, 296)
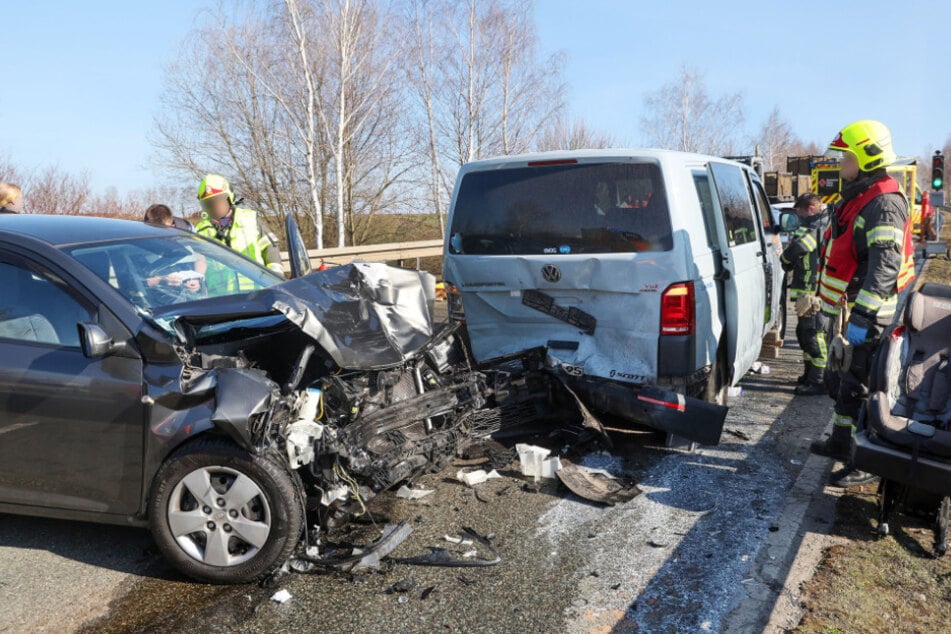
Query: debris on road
(356, 558)
(535, 462)
(472, 478)
(742, 435)
(401, 587)
(406, 493)
(596, 485)
(281, 596)
(442, 557)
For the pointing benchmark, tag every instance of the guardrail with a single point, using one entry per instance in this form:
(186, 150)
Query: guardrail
(386, 252)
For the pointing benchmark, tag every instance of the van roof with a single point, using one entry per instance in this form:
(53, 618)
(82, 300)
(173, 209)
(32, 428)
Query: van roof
(584, 156)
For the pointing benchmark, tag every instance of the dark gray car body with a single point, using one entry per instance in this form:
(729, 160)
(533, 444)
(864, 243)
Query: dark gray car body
(82, 438)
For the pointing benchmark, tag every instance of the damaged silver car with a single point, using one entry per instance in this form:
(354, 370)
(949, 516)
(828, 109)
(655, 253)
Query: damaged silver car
(151, 377)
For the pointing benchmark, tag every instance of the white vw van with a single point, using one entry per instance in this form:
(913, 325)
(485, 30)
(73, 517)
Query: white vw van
(633, 269)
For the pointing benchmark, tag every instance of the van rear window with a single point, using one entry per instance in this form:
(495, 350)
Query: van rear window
(562, 209)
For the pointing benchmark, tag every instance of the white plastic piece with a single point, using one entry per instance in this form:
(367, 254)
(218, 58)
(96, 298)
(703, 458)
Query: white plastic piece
(734, 391)
(535, 462)
(472, 478)
(281, 596)
(300, 440)
(310, 402)
(407, 493)
(457, 540)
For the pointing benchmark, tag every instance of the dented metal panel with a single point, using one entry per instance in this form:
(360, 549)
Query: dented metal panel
(364, 315)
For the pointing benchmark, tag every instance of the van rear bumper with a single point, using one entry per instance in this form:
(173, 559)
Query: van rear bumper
(666, 410)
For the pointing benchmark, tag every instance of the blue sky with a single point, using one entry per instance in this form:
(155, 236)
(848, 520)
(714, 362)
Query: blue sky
(82, 80)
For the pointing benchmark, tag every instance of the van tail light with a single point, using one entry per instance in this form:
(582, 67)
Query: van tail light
(678, 310)
(454, 304)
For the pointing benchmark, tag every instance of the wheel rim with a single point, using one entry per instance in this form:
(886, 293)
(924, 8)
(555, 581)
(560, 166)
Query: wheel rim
(219, 516)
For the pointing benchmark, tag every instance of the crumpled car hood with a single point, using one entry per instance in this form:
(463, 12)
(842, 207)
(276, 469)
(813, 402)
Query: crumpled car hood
(365, 315)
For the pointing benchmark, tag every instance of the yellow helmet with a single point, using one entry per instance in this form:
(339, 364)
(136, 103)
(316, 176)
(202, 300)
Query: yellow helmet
(214, 185)
(868, 141)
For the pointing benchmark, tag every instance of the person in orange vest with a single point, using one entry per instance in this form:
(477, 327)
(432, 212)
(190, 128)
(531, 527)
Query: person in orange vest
(868, 260)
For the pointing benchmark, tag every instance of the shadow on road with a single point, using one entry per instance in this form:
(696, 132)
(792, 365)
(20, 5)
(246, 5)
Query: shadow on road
(118, 548)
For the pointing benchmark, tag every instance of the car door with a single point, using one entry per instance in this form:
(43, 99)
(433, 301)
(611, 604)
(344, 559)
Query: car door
(71, 428)
(744, 280)
(772, 249)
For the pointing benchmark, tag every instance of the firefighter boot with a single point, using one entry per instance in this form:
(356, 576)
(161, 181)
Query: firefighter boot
(838, 445)
(805, 373)
(814, 383)
(848, 477)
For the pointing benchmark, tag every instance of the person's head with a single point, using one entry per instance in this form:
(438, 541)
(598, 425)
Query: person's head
(215, 196)
(808, 205)
(863, 146)
(159, 215)
(11, 197)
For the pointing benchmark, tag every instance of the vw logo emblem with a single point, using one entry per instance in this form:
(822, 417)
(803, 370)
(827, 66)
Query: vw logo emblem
(551, 273)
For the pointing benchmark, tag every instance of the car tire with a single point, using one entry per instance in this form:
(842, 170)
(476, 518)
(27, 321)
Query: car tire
(222, 515)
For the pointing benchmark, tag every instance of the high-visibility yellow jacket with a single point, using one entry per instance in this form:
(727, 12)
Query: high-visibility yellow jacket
(246, 235)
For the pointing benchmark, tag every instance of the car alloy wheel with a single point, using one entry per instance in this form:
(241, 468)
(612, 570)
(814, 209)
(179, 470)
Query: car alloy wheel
(219, 516)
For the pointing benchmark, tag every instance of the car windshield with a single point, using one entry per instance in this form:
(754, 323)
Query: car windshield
(154, 273)
(561, 209)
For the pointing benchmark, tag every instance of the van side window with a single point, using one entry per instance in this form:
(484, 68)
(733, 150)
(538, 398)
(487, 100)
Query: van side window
(701, 182)
(762, 204)
(734, 203)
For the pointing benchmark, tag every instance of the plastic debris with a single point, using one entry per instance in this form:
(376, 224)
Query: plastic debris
(407, 493)
(472, 478)
(401, 587)
(358, 558)
(734, 391)
(281, 596)
(535, 462)
(596, 484)
(442, 557)
(457, 540)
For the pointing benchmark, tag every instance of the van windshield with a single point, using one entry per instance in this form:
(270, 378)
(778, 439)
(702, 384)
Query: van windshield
(561, 209)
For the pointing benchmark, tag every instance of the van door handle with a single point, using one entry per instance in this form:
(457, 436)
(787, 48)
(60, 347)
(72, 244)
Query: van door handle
(722, 274)
(759, 254)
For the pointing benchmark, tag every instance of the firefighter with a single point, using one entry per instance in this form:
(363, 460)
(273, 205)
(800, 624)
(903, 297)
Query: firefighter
(867, 261)
(238, 228)
(801, 257)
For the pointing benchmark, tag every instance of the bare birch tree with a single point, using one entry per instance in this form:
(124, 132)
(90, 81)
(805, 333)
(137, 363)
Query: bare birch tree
(775, 140)
(576, 134)
(479, 84)
(683, 116)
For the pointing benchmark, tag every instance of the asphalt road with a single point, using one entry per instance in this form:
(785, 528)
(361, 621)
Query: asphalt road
(681, 557)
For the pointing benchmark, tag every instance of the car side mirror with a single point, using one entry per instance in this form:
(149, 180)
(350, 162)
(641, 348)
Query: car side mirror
(788, 222)
(96, 342)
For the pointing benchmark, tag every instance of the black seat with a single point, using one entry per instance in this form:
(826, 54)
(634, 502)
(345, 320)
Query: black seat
(905, 429)
(912, 379)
